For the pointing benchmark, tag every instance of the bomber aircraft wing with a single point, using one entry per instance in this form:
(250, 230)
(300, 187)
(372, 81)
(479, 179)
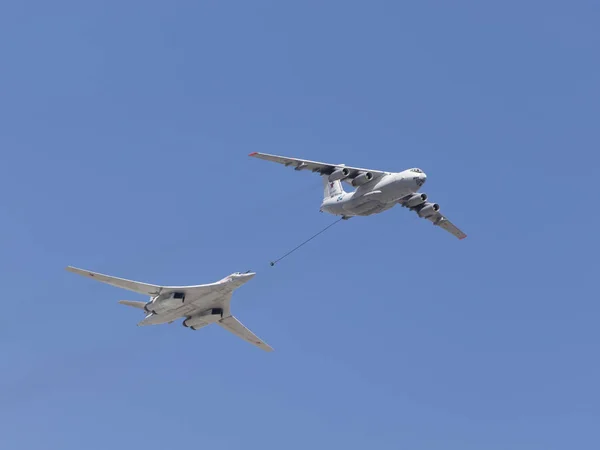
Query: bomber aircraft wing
(230, 323)
(136, 286)
(343, 172)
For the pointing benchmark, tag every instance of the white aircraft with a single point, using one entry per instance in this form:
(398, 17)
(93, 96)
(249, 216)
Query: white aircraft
(376, 191)
(201, 305)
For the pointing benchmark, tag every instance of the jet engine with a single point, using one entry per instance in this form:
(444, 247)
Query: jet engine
(415, 200)
(428, 209)
(208, 316)
(361, 179)
(339, 174)
(165, 303)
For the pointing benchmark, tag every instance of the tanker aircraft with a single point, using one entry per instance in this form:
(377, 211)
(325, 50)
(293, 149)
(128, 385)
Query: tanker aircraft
(199, 305)
(376, 191)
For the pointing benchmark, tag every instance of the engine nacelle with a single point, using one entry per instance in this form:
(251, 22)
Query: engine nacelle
(429, 209)
(208, 316)
(416, 200)
(164, 303)
(339, 174)
(361, 179)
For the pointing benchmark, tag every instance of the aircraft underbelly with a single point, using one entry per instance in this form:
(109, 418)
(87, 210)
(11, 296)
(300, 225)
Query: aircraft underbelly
(212, 300)
(369, 208)
(377, 200)
(365, 205)
(157, 319)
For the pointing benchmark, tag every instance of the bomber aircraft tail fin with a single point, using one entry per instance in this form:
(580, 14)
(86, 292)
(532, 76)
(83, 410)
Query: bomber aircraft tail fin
(331, 188)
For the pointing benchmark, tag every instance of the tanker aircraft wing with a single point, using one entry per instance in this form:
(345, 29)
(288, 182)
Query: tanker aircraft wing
(438, 219)
(322, 168)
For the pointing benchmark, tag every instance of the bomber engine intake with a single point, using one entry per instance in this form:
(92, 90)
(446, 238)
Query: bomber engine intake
(339, 174)
(203, 318)
(361, 179)
(165, 302)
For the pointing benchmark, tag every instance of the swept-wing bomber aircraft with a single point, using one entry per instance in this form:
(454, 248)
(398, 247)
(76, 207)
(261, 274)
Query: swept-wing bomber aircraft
(199, 305)
(376, 191)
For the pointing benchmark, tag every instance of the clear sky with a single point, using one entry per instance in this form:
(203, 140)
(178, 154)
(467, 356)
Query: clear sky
(124, 133)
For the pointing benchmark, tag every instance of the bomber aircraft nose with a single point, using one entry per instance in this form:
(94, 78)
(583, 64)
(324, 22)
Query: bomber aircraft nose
(246, 276)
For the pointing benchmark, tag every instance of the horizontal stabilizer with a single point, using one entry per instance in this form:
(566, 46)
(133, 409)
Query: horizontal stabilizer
(138, 305)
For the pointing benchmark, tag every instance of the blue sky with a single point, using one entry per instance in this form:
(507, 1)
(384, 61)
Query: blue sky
(125, 130)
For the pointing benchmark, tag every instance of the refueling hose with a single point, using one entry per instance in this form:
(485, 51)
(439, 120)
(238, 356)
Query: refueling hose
(306, 242)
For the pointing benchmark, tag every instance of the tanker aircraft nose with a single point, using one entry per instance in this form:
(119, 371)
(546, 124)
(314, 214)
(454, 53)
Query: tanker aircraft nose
(418, 176)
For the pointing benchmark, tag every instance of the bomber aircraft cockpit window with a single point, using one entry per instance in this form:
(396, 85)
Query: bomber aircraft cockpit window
(416, 170)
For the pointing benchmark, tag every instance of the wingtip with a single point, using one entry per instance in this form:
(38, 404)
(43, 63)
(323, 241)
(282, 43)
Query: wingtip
(78, 271)
(253, 154)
